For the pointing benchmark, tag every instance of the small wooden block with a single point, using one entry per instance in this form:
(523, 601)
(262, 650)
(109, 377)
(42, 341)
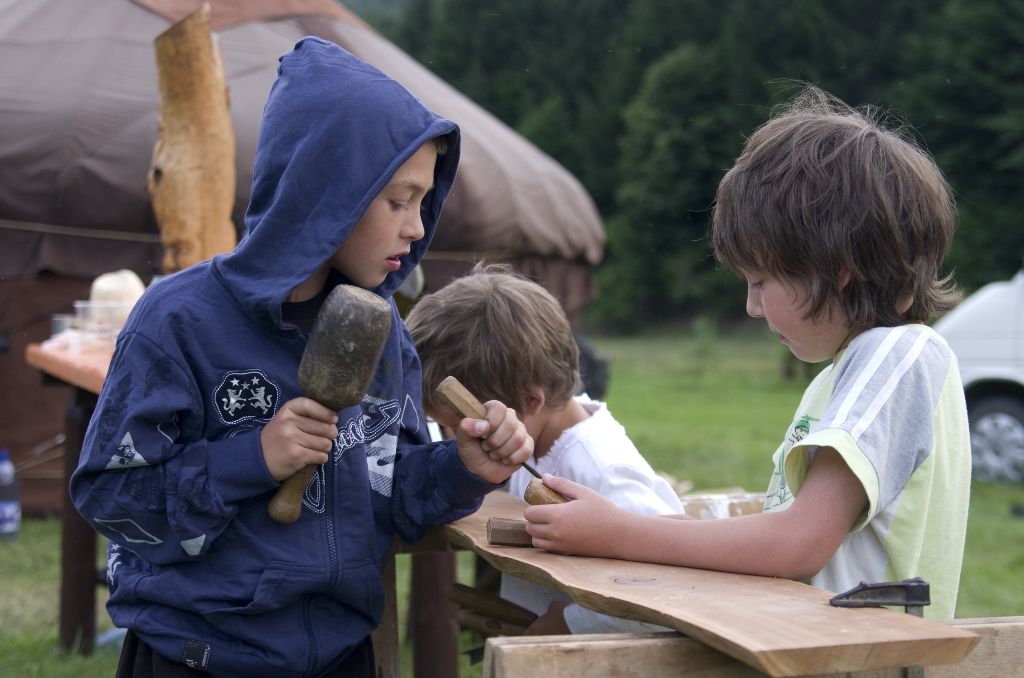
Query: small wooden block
(508, 532)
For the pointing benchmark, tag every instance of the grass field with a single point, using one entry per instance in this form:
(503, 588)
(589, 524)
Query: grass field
(706, 408)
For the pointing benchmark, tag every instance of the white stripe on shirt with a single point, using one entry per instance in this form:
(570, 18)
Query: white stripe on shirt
(865, 375)
(890, 386)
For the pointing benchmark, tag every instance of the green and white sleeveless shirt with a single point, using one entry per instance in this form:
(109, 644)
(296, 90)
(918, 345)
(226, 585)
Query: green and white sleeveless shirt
(892, 405)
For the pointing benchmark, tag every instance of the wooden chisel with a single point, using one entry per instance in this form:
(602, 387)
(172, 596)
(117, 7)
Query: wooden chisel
(463, 403)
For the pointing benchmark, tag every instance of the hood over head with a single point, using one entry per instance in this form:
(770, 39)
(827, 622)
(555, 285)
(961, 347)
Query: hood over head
(334, 131)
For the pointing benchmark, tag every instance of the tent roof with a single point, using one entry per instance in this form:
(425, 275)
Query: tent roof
(78, 115)
(228, 13)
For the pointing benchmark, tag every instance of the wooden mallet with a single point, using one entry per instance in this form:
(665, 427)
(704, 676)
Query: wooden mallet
(459, 400)
(336, 369)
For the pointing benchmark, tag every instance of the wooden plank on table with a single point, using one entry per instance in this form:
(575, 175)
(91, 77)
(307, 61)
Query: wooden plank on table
(84, 369)
(778, 626)
(651, 655)
(667, 655)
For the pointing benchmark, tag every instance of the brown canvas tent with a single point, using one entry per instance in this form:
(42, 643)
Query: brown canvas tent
(78, 122)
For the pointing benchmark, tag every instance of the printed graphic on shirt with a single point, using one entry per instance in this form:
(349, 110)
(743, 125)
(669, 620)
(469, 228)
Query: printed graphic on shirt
(800, 429)
(315, 498)
(779, 495)
(245, 395)
(115, 410)
(194, 545)
(368, 429)
(378, 416)
(410, 416)
(170, 429)
(113, 561)
(126, 456)
(129, 530)
(159, 376)
(381, 453)
(380, 463)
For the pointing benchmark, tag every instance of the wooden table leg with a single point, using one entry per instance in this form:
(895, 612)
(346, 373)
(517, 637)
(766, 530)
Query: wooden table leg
(434, 631)
(78, 540)
(385, 638)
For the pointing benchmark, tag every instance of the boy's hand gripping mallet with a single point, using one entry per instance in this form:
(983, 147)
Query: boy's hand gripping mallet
(337, 366)
(463, 403)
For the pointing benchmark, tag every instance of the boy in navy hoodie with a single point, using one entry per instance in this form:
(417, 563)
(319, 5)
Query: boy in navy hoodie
(201, 417)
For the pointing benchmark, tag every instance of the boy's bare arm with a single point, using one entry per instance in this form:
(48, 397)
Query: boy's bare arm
(795, 543)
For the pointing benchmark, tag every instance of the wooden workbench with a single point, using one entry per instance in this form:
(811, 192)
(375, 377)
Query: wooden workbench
(1000, 652)
(777, 626)
(743, 623)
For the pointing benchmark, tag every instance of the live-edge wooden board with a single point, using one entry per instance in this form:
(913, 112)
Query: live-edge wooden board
(778, 626)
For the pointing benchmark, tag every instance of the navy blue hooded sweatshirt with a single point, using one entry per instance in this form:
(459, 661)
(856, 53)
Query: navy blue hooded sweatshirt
(172, 470)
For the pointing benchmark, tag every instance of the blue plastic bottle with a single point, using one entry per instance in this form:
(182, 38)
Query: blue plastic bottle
(10, 505)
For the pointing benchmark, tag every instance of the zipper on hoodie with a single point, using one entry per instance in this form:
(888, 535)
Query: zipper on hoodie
(332, 541)
(314, 654)
(332, 559)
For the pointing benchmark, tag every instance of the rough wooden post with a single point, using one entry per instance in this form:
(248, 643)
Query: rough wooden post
(385, 638)
(77, 540)
(191, 179)
(434, 631)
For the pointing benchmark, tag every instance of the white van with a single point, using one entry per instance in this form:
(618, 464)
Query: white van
(986, 332)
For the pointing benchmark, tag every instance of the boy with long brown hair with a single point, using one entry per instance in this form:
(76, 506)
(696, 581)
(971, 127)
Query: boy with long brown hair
(839, 227)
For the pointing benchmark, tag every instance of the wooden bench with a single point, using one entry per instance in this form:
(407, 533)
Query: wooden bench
(734, 624)
(1000, 652)
(777, 626)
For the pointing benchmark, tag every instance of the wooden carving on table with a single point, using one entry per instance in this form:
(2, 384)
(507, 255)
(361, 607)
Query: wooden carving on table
(191, 178)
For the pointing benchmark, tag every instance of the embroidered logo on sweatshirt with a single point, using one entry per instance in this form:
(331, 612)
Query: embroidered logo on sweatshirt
(246, 395)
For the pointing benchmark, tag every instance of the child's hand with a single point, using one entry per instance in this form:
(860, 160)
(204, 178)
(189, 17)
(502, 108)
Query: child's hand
(551, 623)
(585, 526)
(493, 448)
(302, 432)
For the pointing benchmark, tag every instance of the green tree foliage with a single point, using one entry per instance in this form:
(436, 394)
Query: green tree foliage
(648, 103)
(657, 240)
(536, 64)
(966, 100)
(682, 130)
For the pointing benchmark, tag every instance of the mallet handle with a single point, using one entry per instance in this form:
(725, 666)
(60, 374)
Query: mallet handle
(286, 505)
(459, 400)
(336, 369)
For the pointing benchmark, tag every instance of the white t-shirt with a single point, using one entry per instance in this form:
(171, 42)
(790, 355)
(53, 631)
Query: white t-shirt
(596, 453)
(892, 405)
